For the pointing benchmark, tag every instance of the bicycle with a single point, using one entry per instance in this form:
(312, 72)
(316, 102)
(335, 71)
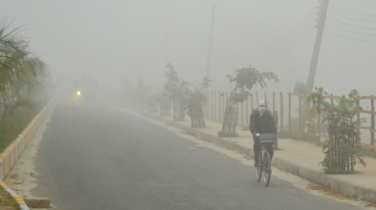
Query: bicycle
(264, 170)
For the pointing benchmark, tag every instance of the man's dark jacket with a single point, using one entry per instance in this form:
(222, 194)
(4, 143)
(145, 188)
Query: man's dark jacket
(263, 124)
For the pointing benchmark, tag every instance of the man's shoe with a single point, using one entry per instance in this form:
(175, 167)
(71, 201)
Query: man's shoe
(256, 164)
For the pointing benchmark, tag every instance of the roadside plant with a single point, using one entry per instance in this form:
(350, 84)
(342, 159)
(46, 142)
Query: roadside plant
(177, 91)
(195, 103)
(342, 149)
(23, 81)
(22, 73)
(300, 88)
(242, 81)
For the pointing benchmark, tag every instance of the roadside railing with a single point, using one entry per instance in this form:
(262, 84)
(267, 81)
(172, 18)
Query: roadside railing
(298, 119)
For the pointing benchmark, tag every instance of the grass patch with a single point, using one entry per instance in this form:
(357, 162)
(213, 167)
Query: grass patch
(7, 202)
(18, 121)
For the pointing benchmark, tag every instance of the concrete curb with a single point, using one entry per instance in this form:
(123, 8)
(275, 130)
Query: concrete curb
(316, 177)
(11, 154)
(40, 203)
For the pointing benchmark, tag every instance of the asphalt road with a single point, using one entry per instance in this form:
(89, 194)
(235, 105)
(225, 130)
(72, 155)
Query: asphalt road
(98, 157)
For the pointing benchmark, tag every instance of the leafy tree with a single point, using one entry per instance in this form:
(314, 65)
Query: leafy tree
(195, 102)
(244, 80)
(177, 91)
(300, 88)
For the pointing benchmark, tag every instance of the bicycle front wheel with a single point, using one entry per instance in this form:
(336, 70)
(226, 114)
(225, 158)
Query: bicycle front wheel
(267, 168)
(259, 169)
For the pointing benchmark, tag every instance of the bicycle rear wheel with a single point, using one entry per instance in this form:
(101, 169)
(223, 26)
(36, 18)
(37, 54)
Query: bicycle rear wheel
(267, 168)
(258, 170)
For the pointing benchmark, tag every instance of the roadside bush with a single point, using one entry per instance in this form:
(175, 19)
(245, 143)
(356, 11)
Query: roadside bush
(342, 149)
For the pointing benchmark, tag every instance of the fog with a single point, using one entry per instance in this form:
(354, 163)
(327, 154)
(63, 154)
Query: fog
(135, 39)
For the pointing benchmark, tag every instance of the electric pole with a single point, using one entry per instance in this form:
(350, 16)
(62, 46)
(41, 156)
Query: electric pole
(168, 37)
(209, 58)
(210, 45)
(316, 49)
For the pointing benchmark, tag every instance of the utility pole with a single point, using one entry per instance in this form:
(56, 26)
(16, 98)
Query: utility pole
(209, 58)
(168, 37)
(210, 45)
(316, 49)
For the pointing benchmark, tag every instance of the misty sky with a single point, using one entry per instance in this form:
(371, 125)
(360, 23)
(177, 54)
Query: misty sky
(136, 38)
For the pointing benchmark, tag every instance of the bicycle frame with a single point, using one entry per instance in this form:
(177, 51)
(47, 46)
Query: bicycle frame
(264, 170)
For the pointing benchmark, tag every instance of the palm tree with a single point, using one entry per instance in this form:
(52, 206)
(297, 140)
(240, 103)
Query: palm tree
(20, 72)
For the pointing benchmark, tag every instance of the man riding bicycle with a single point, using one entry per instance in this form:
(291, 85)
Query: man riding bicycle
(261, 121)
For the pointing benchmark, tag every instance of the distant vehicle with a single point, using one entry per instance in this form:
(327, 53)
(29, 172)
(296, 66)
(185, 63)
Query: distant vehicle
(86, 88)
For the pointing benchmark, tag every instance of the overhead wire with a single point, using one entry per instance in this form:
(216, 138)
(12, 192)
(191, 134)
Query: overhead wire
(267, 6)
(357, 13)
(260, 8)
(336, 27)
(367, 21)
(308, 17)
(350, 30)
(361, 40)
(283, 13)
(334, 20)
(287, 41)
(287, 47)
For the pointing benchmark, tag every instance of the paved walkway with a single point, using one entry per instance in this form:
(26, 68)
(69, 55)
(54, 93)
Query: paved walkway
(297, 157)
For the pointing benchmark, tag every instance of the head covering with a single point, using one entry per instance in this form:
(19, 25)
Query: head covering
(261, 107)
